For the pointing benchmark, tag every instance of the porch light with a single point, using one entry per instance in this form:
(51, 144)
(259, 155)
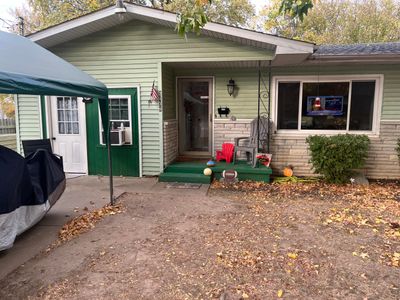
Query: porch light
(231, 87)
(120, 7)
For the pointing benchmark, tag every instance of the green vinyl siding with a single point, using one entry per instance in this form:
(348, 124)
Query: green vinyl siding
(391, 81)
(129, 55)
(29, 126)
(125, 158)
(243, 104)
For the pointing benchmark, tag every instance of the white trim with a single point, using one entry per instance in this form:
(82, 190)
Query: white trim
(283, 45)
(220, 120)
(349, 108)
(139, 121)
(40, 117)
(391, 121)
(80, 21)
(213, 118)
(378, 99)
(17, 129)
(161, 115)
(46, 109)
(223, 29)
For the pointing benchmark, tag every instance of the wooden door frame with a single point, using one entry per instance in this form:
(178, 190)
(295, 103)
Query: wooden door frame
(211, 80)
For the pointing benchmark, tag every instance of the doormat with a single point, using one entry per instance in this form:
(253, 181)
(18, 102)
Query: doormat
(180, 185)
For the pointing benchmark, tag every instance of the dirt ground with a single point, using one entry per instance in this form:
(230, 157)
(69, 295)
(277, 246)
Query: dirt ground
(249, 241)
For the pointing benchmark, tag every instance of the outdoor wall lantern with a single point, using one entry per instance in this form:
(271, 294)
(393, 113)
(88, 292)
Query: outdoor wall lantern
(231, 87)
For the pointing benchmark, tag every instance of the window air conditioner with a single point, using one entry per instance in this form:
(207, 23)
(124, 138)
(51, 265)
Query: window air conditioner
(117, 137)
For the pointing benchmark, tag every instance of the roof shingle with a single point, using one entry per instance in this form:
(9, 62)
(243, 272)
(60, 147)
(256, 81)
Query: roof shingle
(358, 49)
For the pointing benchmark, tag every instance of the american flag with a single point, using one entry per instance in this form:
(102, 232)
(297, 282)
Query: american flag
(155, 95)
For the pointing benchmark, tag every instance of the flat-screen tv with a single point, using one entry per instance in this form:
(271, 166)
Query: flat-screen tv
(324, 106)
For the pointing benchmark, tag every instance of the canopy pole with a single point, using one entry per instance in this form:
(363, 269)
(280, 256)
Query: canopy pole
(110, 172)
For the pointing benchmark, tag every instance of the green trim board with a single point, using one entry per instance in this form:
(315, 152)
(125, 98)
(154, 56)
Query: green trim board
(125, 158)
(44, 116)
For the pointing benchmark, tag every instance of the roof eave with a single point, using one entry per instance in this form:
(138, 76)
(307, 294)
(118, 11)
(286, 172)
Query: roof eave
(283, 45)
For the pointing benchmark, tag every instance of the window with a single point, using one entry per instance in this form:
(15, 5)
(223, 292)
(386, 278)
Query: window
(67, 115)
(326, 104)
(288, 105)
(119, 116)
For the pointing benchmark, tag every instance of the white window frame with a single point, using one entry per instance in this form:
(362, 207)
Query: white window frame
(129, 132)
(378, 78)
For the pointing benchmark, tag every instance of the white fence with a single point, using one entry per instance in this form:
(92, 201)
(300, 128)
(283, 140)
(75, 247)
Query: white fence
(7, 126)
(9, 141)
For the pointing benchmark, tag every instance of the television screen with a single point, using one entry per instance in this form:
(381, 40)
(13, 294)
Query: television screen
(324, 106)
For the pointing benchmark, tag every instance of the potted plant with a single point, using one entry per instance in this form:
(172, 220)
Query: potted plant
(264, 158)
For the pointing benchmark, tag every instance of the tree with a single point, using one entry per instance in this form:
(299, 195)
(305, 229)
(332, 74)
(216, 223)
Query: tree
(338, 22)
(7, 105)
(192, 14)
(231, 12)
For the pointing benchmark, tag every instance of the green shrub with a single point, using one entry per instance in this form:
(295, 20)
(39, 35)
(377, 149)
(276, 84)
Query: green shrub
(335, 156)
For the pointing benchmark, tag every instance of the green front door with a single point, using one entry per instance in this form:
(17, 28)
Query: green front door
(124, 117)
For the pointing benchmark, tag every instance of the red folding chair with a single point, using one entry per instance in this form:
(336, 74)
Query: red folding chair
(226, 153)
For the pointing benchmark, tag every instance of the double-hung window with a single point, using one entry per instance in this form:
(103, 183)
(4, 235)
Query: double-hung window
(336, 103)
(119, 116)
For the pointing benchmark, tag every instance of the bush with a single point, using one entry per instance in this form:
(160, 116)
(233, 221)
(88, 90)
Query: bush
(334, 157)
(398, 148)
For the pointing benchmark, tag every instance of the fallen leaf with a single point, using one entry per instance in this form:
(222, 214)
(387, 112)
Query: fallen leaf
(280, 293)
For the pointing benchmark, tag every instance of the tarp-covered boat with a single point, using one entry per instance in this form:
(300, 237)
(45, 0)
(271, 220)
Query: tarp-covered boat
(28, 188)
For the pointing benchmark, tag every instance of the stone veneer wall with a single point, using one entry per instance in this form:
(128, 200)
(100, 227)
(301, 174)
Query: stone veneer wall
(170, 141)
(226, 130)
(292, 149)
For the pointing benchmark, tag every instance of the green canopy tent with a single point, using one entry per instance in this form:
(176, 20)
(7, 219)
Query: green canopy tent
(27, 68)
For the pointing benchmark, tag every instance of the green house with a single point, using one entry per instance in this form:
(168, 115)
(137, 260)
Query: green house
(305, 89)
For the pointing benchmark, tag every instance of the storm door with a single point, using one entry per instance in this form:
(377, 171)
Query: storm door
(195, 116)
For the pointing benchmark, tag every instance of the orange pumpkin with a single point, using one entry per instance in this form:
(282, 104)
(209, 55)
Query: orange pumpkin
(288, 171)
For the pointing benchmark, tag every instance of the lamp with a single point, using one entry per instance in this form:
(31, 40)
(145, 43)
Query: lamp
(231, 87)
(120, 7)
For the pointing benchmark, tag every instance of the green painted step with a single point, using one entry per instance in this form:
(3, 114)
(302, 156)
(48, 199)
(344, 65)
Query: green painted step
(192, 172)
(184, 177)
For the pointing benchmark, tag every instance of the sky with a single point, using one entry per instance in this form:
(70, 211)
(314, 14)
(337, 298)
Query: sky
(6, 5)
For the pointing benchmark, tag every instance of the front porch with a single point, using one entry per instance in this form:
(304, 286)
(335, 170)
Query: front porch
(193, 126)
(192, 172)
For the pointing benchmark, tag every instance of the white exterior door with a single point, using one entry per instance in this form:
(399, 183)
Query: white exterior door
(68, 132)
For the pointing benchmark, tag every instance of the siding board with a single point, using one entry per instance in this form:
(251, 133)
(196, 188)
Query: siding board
(29, 120)
(129, 54)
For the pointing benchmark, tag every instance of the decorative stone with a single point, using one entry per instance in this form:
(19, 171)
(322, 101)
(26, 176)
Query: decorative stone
(359, 178)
